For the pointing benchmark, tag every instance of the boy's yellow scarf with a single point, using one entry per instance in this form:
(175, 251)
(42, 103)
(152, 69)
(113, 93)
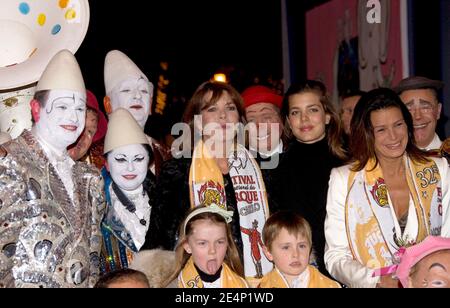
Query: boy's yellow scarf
(371, 229)
(189, 277)
(207, 188)
(316, 280)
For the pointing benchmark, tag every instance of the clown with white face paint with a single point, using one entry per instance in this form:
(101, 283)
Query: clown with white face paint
(128, 166)
(62, 119)
(127, 219)
(134, 95)
(66, 196)
(60, 115)
(127, 87)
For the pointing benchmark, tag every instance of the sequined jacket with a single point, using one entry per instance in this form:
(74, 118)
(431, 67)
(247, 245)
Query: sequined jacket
(46, 239)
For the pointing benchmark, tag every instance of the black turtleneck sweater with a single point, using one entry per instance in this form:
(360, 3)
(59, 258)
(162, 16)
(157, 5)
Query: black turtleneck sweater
(302, 181)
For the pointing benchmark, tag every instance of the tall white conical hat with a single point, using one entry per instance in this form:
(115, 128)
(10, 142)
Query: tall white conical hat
(62, 73)
(32, 32)
(118, 67)
(123, 130)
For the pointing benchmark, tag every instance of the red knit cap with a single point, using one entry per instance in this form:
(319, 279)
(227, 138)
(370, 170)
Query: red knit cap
(261, 94)
(102, 122)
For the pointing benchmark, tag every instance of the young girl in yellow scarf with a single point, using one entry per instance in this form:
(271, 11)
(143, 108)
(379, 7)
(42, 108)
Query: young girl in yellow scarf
(206, 256)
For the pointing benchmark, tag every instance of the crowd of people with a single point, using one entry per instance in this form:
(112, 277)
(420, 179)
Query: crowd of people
(270, 191)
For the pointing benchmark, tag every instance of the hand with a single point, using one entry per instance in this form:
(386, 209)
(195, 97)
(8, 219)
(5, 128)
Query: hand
(388, 282)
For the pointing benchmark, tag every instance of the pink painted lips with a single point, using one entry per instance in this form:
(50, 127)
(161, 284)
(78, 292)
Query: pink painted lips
(130, 176)
(306, 129)
(71, 128)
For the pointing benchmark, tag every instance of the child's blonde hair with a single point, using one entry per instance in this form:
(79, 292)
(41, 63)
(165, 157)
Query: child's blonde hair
(292, 222)
(232, 258)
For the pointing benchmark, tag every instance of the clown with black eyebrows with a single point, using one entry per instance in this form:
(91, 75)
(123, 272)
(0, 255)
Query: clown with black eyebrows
(50, 206)
(127, 218)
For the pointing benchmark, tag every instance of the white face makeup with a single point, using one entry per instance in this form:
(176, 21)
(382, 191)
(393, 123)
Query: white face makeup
(135, 95)
(62, 119)
(128, 166)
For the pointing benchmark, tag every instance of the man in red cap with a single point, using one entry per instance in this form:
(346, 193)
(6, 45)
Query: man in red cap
(420, 95)
(262, 107)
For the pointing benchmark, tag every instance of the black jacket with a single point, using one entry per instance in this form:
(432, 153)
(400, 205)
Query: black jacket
(302, 186)
(270, 182)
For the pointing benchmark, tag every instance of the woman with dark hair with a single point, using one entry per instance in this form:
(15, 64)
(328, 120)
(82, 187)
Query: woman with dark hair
(221, 172)
(391, 196)
(127, 184)
(314, 127)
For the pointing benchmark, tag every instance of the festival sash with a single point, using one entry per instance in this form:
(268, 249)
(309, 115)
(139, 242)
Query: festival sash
(207, 188)
(189, 277)
(316, 280)
(371, 229)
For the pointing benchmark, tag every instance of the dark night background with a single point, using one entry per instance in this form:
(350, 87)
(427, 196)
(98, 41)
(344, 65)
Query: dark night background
(240, 37)
(197, 38)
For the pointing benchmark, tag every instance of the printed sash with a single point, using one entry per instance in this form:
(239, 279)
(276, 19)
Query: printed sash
(207, 188)
(370, 223)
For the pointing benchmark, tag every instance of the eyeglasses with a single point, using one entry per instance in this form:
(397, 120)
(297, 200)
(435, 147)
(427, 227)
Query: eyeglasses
(422, 107)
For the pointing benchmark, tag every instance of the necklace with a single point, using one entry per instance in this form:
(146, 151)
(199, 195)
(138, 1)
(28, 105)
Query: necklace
(127, 203)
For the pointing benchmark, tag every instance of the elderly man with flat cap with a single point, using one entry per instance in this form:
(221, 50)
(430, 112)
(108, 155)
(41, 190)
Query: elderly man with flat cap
(420, 95)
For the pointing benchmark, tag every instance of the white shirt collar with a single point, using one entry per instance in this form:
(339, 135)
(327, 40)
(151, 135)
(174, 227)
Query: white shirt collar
(278, 149)
(435, 144)
(213, 285)
(302, 281)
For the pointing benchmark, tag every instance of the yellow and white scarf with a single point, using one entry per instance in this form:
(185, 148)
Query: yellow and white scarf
(275, 279)
(371, 229)
(207, 188)
(189, 277)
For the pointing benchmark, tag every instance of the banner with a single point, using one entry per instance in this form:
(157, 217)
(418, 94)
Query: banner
(356, 44)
